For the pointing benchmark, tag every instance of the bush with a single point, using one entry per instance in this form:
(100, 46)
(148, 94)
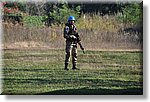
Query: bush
(33, 21)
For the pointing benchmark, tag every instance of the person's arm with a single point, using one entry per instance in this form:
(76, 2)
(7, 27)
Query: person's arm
(66, 30)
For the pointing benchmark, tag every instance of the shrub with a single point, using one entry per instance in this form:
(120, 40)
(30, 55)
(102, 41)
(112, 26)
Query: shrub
(33, 21)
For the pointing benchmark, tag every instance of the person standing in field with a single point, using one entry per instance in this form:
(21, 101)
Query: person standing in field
(70, 34)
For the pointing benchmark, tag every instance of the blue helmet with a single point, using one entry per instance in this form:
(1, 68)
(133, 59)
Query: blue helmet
(71, 18)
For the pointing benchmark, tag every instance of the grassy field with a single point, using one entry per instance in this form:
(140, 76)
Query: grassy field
(34, 71)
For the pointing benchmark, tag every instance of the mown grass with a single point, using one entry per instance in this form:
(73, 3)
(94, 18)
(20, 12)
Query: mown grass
(33, 71)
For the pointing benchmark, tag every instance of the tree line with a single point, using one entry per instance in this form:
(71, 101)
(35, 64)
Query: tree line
(57, 12)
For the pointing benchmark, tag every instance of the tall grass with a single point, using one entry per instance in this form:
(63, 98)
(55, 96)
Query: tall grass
(99, 23)
(97, 32)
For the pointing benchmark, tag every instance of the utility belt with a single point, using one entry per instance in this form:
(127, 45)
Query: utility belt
(72, 42)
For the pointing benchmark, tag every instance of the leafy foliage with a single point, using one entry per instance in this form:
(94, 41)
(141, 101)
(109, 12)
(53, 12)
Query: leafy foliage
(58, 12)
(132, 13)
(61, 13)
(33, 21)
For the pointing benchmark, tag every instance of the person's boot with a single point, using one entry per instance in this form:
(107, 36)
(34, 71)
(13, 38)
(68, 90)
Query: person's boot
(75, 67)
(66, 65)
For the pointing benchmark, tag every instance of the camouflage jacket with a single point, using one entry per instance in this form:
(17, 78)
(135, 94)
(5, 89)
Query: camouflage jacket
(70, 30)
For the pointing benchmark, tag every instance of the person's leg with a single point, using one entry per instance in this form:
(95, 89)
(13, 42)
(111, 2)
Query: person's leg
(74, 58)
(68, 53)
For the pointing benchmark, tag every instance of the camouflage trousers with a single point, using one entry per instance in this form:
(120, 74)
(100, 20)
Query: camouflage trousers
(71, 49)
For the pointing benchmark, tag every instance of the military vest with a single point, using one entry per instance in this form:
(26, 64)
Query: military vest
(72, 29)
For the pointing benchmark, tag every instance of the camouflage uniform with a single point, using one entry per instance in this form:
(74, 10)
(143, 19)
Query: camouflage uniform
(71, 44)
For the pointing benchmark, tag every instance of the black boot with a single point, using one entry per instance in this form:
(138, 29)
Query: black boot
(74, 67)
(66, 65)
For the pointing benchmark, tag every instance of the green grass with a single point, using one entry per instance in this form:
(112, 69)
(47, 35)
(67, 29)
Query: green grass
(32, 71)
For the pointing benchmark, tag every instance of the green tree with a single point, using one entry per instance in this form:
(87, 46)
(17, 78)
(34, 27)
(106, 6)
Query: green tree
(61, 12)
(132, 13)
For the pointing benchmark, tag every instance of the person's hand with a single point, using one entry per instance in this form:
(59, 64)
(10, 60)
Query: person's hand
(82, 48)
(73, 37)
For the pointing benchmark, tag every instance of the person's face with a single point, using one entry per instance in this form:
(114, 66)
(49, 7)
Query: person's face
(71, 22)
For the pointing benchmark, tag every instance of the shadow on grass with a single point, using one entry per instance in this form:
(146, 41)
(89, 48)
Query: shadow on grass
(81, 91)
(85, 91)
